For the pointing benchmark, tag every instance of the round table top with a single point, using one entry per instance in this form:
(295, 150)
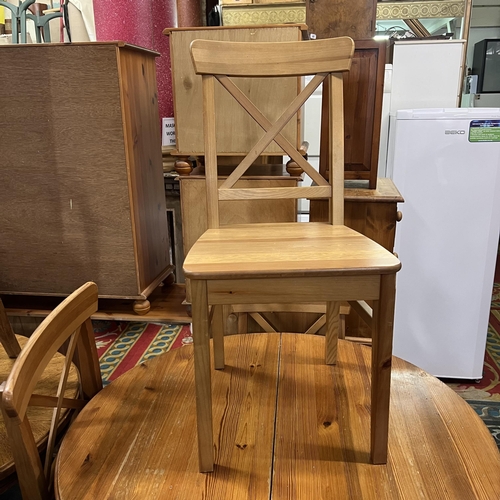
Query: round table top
(283, 420)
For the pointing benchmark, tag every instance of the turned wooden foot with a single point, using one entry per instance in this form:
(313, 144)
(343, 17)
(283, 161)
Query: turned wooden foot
(141, 307)
(183, 165)
(169, 280)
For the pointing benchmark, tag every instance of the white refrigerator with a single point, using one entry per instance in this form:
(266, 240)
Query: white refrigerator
(446, 164)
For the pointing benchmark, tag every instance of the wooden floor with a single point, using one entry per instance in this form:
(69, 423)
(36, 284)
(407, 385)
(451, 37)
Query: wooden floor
(286, 427)
(166, 306)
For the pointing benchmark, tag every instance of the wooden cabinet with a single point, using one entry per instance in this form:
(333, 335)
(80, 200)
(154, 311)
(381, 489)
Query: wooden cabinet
(188, 95)
(354, 18)
(363, 92)
(81, 184)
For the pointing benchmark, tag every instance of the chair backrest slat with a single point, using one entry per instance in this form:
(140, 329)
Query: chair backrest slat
(282, 193)
(212, 57)
(324, 59)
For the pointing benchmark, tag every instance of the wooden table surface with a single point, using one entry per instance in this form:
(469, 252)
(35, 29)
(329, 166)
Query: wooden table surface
(286, 426)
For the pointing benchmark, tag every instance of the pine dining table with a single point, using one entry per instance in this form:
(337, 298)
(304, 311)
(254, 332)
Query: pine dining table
(286, 426)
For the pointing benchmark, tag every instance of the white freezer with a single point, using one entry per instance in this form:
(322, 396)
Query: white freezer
(446, 164)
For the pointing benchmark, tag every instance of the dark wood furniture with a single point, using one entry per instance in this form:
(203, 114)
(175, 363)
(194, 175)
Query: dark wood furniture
(364, 87)
(137, 434)
(354, 18)
(81, 183)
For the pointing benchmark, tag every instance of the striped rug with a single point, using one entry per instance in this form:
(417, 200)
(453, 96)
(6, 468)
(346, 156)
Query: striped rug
(121, 345)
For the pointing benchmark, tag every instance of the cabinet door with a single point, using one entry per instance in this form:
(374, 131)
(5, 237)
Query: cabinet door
(363, 92)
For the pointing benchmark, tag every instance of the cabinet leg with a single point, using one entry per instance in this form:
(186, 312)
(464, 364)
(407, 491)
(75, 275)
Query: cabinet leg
(141, 307)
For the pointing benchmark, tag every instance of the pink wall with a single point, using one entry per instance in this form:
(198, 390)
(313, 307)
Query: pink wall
(141, 22)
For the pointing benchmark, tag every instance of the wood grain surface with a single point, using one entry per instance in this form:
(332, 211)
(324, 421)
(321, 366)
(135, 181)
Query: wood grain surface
(81, 189)
(188, 94)
(136, 438)
(254, 250)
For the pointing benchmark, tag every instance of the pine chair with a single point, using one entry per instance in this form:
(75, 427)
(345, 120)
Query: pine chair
(68, 327)
(290, 262)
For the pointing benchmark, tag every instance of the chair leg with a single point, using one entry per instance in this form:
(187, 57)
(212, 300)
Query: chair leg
(332, 332)
(242, 322)
(383, 319)
(218, 337)
(202, 374)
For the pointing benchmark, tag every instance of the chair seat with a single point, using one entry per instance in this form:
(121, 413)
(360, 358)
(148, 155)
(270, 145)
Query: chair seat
(298, 249)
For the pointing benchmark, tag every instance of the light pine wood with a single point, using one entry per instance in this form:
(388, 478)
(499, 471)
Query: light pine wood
(62, 325)
(92, 199)
(258, 116)
(40, 414)
(363, 310)
(256, 250)
(284, 59)
(336, 145)
(383, 318)
(188, 93)
(275, 193)
(286, 263)
(135, 438)
(218, 330)
(202, 376)
(270, 133)
(194, 202)
(332, 331)
(372, 212)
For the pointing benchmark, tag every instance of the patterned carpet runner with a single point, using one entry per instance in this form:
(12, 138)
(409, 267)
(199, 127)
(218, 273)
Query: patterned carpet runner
(121, 346)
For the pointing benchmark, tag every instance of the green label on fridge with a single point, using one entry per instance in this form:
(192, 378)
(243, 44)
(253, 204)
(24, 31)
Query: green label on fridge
(484, 131)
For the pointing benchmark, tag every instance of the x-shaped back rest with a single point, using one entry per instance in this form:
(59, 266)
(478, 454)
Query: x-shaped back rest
(324, 59)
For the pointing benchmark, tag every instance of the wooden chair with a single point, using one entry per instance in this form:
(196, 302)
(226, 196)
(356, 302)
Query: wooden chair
(68, 326)
(292, 262)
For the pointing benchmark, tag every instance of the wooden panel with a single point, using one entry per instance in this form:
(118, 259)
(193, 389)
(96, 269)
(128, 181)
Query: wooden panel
(160, 418)
(188, 96)
(143, 146)
(319, 454)
(292, 290)
(63, 182)
(354, 18)
(363, 92)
